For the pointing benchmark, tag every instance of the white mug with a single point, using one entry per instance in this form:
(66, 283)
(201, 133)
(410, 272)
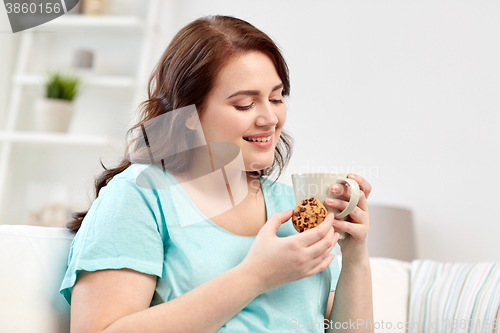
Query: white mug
(318, 185)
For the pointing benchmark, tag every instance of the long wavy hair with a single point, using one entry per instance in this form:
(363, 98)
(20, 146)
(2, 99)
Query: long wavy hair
(185, 75)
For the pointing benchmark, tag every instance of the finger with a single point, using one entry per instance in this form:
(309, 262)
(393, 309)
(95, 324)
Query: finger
(363, 184)
(319, 259)
(362, 203)
(356, 230)
(322, 256)
(342, 204)
(341, 191)
(276, 220)
(358, 216)
(319, 250)
(322, 265)
(321, 245)
(312, 235)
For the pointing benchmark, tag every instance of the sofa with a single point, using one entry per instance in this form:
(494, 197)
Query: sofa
(33, 263)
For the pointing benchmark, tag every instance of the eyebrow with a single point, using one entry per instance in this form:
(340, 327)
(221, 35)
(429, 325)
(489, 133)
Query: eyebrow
(253, 92)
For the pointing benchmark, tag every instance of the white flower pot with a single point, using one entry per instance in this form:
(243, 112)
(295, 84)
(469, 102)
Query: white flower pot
(52, 115)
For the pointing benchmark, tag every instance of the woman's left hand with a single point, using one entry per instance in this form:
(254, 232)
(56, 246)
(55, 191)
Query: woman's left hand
(354, 245)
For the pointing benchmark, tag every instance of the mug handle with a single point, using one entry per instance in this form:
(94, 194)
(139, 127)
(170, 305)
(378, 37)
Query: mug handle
(353, 201)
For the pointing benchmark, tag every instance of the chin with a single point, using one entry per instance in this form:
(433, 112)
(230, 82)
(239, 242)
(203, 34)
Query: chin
(257, 162)
(258, 165)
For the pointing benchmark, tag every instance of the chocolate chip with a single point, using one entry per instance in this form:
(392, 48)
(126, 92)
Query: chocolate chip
(306, 219)
(304, 202)
(322, 211)
(311, 199)
(302, 209)
(301, 229)
(297, 213)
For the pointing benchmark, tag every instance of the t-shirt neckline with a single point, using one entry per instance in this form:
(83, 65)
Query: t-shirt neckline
(212, 223)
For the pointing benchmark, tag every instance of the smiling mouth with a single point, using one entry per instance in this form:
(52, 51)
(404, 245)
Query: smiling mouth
(263, 139)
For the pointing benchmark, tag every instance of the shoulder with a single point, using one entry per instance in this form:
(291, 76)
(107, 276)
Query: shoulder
(136, 171)
(125, 199)
(139, 177)
(137, 185)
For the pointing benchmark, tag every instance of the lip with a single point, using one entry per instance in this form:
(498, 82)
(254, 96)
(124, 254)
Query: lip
(266, 144)
(260, 135)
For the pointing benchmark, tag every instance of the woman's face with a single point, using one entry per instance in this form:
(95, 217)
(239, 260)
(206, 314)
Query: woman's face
(245, 102)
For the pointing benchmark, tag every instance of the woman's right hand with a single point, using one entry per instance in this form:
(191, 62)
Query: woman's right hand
(276, 261)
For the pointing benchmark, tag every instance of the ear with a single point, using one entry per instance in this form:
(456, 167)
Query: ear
(191, 122)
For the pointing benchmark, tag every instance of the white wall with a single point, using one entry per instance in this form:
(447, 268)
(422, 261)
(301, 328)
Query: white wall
(404, 93)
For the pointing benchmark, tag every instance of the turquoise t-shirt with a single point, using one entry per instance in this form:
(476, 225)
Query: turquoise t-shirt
(147, 230)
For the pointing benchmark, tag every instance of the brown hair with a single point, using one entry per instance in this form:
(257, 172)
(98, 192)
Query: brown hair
(185, 75)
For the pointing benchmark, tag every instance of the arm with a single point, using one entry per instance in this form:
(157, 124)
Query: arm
(117, 300)
(354, 299)
(352, 309)
(329, 304)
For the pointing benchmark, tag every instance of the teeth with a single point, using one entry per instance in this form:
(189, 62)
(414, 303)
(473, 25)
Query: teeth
(264, 139)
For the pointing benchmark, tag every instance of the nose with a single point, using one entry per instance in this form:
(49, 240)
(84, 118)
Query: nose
(266, 116)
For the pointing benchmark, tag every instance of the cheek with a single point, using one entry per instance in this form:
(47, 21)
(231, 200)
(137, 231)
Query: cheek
(281, 117)
(230, 128)
(220, 126)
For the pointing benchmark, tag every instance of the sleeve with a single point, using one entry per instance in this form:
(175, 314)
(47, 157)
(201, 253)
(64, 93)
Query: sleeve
(120, 230)
(334, 271)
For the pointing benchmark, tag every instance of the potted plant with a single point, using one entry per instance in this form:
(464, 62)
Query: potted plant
(54, 111)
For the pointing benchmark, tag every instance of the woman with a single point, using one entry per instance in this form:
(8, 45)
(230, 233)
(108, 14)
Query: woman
(140, 263)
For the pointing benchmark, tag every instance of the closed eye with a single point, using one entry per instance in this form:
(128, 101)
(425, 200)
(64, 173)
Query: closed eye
(248, 107)
(244, 108)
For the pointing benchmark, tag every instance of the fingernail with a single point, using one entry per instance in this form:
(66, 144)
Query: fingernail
(351, 176)
(336, 188)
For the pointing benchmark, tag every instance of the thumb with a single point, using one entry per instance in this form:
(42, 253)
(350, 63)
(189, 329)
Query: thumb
(276, 220)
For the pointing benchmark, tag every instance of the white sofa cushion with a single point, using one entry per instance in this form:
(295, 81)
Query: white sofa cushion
(33, 262)
(390, 289)
(449, 297)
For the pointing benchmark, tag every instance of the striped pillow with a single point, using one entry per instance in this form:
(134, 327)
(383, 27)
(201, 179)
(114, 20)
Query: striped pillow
(454, 297)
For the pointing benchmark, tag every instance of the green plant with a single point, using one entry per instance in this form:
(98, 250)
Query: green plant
(61, 86)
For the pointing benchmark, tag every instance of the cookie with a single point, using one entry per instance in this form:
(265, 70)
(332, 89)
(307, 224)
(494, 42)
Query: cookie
(308, 214)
